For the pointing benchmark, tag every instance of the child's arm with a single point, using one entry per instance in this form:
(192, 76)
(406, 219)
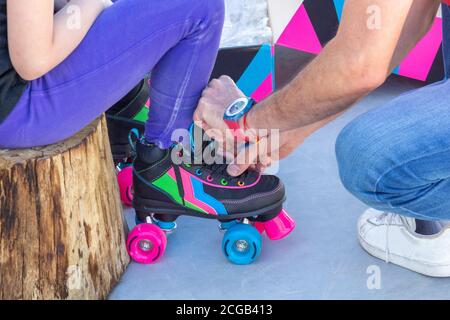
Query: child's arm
(38, 40)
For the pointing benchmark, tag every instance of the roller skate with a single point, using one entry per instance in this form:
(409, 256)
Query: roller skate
(165, 188)
(129, 113)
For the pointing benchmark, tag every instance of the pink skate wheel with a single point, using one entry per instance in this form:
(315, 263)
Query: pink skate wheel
(259, 226)
(146, 243)
(280, 226)
(125, 179)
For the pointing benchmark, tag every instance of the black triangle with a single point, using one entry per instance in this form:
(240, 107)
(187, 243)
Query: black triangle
(234, 61)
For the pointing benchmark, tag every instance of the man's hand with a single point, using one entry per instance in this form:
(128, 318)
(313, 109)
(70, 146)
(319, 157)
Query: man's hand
(217, 96)
(278, 147)
(261, 155)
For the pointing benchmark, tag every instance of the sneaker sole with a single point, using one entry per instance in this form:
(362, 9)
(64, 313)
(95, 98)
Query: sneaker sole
(436, 271)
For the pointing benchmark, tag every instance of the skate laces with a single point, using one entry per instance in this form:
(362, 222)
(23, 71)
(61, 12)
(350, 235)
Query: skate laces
(133, 137)
(214, 168)
(217, 169)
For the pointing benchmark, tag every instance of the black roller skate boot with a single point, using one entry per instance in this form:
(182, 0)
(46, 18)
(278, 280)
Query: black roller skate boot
(167, 184)
(129, 113)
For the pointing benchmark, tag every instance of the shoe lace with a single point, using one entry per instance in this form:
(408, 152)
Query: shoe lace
(386, 218)
(214, 168)
(221, 169)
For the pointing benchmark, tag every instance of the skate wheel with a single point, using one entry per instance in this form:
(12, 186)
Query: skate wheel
(146, 243)
(125, 179)
(166, 226)
(241, 244)
(224, 226)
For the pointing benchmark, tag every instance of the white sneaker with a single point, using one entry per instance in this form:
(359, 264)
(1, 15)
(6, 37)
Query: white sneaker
(392, 237)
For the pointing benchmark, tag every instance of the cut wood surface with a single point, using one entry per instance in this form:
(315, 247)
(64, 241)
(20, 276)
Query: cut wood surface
(62, 232)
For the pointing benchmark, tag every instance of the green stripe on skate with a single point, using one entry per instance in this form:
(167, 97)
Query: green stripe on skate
(194, 207)
(142, 116)
(167, 185)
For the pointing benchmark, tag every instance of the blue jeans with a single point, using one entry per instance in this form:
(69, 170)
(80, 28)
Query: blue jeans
(396, 158)
(177, 40)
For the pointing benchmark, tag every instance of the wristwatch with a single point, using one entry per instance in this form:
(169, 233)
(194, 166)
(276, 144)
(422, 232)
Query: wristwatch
(235, 111)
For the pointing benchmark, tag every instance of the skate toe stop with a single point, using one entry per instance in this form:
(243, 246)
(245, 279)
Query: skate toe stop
(280, 226)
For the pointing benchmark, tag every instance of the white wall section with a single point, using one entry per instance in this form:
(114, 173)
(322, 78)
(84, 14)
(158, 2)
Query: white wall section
(246, 23)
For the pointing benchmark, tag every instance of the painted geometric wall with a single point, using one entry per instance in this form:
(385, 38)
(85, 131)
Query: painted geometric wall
(308, 25)
(251, 67)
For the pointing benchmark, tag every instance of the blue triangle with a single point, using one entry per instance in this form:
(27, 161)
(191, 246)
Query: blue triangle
(257, 71)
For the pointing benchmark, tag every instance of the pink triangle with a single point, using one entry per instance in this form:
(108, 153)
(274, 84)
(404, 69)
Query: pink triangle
(300, 33)
(419, 61)
(264, 89)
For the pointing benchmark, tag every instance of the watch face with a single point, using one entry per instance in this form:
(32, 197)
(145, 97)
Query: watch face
(236, 108)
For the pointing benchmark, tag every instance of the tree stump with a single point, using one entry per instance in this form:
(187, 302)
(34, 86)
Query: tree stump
(62, 232)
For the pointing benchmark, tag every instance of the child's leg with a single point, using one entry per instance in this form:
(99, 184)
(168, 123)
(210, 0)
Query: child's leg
(177, 39)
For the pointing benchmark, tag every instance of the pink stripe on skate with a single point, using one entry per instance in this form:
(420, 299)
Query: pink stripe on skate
(189, 193)
(419, 61)
(171, 174)
(264, 90)
(300, 34)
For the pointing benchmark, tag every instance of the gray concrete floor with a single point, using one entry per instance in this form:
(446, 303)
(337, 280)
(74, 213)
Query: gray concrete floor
(320, 260)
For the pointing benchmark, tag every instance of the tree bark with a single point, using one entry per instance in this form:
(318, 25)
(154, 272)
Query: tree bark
(62, 232)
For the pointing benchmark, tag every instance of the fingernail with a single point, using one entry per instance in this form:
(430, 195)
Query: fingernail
(233, 170)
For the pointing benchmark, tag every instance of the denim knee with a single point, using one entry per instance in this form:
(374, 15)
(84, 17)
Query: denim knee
(370, 167)
(358, 160)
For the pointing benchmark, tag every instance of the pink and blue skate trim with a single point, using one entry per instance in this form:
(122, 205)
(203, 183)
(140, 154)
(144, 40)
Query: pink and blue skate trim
(195, 194)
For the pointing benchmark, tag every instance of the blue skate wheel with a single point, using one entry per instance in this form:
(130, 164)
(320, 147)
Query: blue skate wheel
(167, 226)
(228, 224)
(241, 244)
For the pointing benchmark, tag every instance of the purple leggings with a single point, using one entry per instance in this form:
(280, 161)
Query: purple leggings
(176, 40)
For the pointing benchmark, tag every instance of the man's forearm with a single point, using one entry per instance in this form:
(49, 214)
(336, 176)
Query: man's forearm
(339, 76)
(327, 86)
